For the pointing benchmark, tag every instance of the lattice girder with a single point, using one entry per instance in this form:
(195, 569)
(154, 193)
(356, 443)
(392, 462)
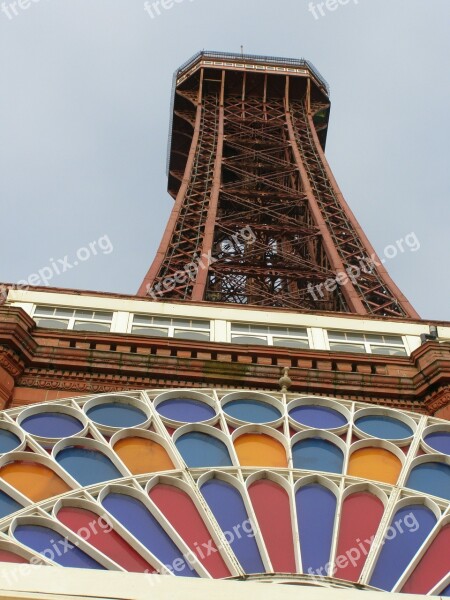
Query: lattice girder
(257, 206)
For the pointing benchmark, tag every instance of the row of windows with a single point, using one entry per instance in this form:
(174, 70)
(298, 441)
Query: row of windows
(366, 343)
(90, 320)
(67, 318)
(200, 330)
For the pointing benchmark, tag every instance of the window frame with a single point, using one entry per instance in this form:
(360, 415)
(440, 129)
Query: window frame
(73, 319)
(367, 343)
(175, 325)
(269, 336)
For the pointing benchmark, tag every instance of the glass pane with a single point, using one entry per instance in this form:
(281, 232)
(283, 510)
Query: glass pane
(141, 320)
(388, 351)
(64, 312)
(385, 339)
(190, 323)
(247, 339)
(85, 326)
(52, 323)
(161, 321)
(240, 327)
(229, 508)
(281, 331)
(44, 311)
(336, 335)
(297, 332)
(84, 314)
(87, 466)
(145, 320)
(348, 347)
(199, 449)
(259, 329)
(339, 336)
(187, 323)
(290, 343)
(103, 316)
(184, 334)
(200, 324)
(150, 331)
(355, 337)
(375, 339)
(393, 339)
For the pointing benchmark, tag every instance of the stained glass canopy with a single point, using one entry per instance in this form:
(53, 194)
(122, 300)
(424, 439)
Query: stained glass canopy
(229, 484)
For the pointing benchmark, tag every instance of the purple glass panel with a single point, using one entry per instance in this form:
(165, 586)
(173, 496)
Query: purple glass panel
(52, 425)
(431, 478)
(228, 507)
(408, 530)
(8, 441)
(439, 441)
(87, 466)
(319, 417)
(133, 515)
(54, 546)
(316, 509)
(117, 414)
(185, 410)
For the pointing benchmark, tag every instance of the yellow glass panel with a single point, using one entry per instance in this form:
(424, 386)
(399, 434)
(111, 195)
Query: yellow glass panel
(143, 456)
(376, 464)
(260, 450)
(36, 482)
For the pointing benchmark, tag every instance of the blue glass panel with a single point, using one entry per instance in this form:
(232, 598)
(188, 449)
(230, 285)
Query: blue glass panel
(408, 530)
(142, 524)
(439, 441)
(201, 450)
(446, 592)
(8, 505)
(431, 478)
(186, 410)
(8, 441)
(316, 454)
(385, 428)
(116, 414)
(52, 425)
(316, 509)
(252, 411)
(319, 417)
(54, 546)
(229, 509)
(87, 466)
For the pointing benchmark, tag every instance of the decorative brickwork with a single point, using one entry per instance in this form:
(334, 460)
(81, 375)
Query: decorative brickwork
(41, 365)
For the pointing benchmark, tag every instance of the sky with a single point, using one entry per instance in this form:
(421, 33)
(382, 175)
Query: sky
(84, 115)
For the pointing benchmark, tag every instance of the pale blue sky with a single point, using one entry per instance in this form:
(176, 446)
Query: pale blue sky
(84, 114)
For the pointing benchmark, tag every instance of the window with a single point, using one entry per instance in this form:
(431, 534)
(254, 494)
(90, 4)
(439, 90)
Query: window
(365, 343)
(266, 335)
(69, 318)
(183, 329)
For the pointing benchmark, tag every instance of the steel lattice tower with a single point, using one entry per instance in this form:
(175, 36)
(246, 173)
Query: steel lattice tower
(259, 218)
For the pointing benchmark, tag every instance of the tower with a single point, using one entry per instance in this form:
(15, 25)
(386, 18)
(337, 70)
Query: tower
(258, 217)
(268, 409)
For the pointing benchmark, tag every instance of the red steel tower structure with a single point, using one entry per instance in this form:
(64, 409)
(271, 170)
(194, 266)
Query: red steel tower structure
(280, 415)
(258, 217)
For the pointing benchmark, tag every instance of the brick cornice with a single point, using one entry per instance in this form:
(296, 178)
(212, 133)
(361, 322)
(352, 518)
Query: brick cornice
(89, 362)
(179, 363)
(438, 400)
(11, 362)
(16, 329)
(432, 362)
